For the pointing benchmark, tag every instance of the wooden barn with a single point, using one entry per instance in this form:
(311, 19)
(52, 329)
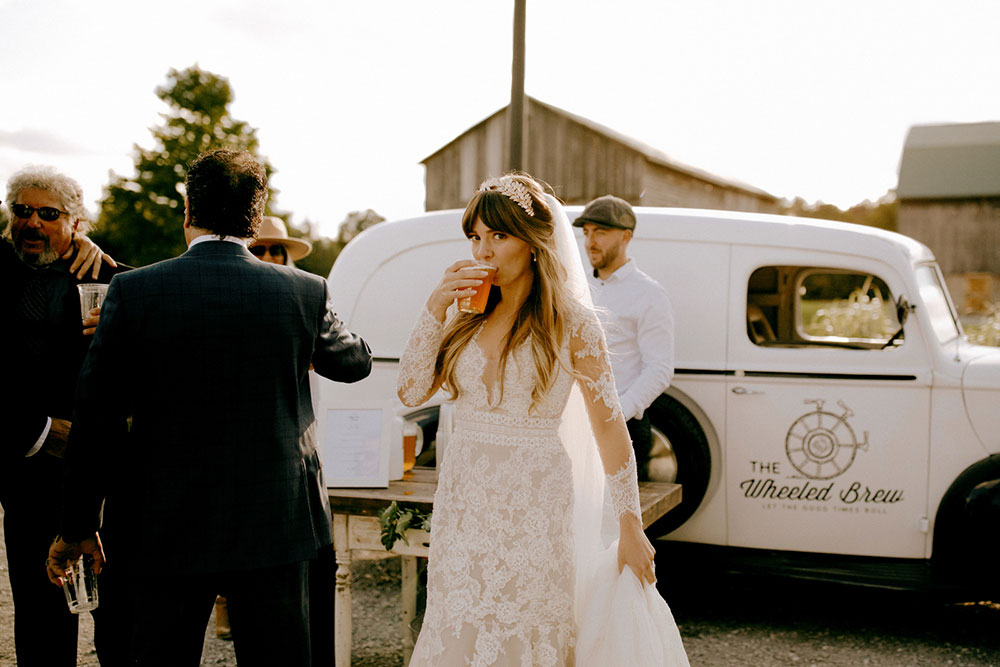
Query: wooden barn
(949, 199)
(581, 160)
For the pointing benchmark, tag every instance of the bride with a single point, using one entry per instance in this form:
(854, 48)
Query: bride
(519, 571)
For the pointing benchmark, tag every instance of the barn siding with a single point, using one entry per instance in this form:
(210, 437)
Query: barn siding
(577, 161)
(963, 235)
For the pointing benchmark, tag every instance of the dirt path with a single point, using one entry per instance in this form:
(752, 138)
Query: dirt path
(733, 622)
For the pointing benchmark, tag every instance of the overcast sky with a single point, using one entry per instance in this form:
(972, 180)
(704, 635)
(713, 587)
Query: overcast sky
(807, 98)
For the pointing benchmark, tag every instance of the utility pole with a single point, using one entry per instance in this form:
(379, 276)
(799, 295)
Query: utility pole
(515, 112)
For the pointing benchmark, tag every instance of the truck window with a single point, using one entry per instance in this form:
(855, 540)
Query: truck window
(943, 319)
(797, 306)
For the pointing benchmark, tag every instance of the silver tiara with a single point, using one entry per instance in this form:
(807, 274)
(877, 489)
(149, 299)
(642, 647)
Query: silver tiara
(513, 190)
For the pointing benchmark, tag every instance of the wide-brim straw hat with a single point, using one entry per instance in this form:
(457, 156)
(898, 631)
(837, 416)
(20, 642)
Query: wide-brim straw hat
(272, 230)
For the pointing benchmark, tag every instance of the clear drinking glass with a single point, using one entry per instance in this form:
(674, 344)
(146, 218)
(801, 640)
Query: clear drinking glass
(80, 585)
(91, 296)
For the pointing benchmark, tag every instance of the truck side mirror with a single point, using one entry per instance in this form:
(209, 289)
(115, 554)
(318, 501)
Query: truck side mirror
(903, 308)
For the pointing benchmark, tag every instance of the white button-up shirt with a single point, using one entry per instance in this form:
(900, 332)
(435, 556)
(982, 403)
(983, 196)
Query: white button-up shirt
(639, 326)
(215, 237)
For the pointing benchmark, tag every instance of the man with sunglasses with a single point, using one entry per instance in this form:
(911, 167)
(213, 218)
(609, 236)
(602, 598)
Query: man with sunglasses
(194, 424)
(274, 245)
(43, 257)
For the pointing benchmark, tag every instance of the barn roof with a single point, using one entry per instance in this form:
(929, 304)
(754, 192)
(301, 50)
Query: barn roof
(654, 155)
(953, 161)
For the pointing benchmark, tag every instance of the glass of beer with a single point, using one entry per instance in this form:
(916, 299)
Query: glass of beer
(477, 302)
(411, 434)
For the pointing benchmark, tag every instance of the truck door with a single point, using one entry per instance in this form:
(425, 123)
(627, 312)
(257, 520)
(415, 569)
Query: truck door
(827, 412)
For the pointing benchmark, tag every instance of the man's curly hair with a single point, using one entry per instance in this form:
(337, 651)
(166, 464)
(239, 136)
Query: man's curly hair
(226, 193)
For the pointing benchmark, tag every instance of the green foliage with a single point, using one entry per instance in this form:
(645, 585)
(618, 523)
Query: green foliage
(881, 214)
(325, 251)
(984, 328)
(355, 223)
(396, 519)
(141, 217)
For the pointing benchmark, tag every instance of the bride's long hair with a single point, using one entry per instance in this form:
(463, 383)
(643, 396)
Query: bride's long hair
(543, 315)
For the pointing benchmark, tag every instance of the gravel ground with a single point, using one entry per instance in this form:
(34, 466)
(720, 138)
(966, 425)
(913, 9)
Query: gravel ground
(727, 622)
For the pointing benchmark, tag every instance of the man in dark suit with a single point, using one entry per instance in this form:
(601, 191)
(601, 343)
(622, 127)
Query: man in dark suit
(44, 339)
(217, 486)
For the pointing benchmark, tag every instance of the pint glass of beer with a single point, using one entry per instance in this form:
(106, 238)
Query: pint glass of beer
(411, 433)
(477, 302)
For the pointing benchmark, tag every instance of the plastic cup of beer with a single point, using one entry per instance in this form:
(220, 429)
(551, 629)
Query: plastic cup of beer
(91, 296)
(477, 302)
(80, 585)
(411, 434)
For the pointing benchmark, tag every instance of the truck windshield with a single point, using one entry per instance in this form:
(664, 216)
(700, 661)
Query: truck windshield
(937, 303)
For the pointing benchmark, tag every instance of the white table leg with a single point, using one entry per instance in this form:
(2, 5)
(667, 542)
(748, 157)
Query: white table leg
(343, 624)
(409, 592)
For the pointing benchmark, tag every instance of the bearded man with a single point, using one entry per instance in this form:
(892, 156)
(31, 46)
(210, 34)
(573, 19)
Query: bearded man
(43, 257)
(636, 314)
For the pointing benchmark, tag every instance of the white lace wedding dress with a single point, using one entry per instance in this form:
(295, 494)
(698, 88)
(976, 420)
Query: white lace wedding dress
(502, 570)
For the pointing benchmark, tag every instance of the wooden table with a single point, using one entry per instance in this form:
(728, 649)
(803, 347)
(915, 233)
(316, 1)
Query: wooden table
(356, 526)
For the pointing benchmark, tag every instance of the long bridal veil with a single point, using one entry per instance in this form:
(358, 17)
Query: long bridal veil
(619, 621)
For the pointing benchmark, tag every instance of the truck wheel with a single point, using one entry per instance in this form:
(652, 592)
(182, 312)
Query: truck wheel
(965, 531)
(680, 455)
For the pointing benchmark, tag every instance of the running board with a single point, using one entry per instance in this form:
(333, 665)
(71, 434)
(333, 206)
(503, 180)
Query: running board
(870, 572)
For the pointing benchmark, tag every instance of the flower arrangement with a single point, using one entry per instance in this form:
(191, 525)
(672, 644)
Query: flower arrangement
(396, 519)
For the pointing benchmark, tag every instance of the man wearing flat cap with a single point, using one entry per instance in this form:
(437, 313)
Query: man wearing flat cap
(636, 314)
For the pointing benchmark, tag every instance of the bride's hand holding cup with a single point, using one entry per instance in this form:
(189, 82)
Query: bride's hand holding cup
(460, 281)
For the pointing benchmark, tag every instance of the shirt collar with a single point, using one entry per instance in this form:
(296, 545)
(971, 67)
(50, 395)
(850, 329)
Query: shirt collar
(215, 237)
(621, 273)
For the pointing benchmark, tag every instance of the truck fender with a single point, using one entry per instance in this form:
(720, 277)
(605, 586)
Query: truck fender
(693, 455)
(967, 527)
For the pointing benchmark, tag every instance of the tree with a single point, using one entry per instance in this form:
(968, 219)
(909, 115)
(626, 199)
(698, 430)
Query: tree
(325, 251)
(140, 218)
(355, 223)
(881, 214)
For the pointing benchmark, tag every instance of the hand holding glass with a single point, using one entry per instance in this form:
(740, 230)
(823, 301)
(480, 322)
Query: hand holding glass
(80, 585)
(477, 302)
(91, 296)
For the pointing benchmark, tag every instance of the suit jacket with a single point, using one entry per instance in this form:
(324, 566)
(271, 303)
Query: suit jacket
(42, 359)
(208, 354)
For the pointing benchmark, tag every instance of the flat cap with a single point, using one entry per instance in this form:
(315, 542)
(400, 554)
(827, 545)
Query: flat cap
(607, 211)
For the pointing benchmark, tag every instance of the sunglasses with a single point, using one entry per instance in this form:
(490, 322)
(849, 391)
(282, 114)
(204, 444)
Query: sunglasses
(261, 250)
(46, 213)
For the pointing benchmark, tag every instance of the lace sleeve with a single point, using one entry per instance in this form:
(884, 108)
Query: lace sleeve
(415, 382)
(623, 487)
(591, 361)
(590, 358)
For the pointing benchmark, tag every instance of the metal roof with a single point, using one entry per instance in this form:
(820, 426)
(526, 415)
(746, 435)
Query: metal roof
(953, 161)
(654, 155)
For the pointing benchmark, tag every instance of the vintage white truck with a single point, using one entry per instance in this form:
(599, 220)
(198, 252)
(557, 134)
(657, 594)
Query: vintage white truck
(827, 418)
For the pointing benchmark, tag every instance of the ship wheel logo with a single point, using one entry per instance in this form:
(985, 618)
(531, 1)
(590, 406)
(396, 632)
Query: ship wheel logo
(821, 444)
